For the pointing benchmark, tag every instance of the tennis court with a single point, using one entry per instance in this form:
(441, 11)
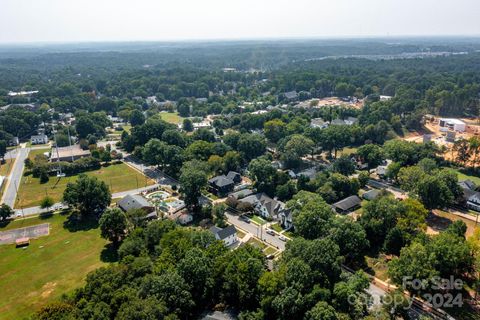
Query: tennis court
(39, 230)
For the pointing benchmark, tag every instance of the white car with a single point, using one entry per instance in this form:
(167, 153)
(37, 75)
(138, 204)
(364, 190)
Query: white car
(283, 238)
(270, 232)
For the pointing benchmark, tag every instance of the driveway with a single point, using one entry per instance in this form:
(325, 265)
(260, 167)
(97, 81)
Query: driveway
(256, 231)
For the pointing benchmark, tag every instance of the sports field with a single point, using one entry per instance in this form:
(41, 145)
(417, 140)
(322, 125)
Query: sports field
(171, 117)
(49, 266)
(119, 177)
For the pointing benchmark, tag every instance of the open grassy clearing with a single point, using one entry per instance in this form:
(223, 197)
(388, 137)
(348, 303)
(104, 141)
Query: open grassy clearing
(276, 227)
(258, 220)
(439, 220)
(256, 243)
(49, 267)
(240, 234)
(119, 177)
(269, 250)
(463, 176)
(171, 117)
(33, 153)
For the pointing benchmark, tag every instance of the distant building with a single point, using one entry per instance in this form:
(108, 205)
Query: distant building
(452, 124)
(318, 123)
(235, 176)
(228, 235)
(39, 139)
(467, 184)
(451, 136)
(427, 138)
(338, 122)
(291, 95)
(347, 205)
(135, 201)
(14, 141)
(472, 199)
(385, 98)
(70, 153)
(351, 121)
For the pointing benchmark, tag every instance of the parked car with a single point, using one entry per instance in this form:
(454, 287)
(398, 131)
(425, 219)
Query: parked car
(244, 219)
(270, 256)
(283, 238)
(270, 232)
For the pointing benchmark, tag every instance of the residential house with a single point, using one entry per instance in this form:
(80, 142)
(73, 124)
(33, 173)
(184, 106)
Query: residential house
(291, 95)
(286, 219)
(351, 121)
(467, 184)
(472, 199)
(318, 123)
(221, 185)
(347, 205)
(39, 139)
(235, 176)
(228, 235)
(264, 205)
(371, 194)
(135, 201)
(338, 122)
(185, 218)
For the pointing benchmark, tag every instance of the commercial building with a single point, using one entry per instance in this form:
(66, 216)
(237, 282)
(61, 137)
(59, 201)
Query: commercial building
(452, 124)
(70, 153)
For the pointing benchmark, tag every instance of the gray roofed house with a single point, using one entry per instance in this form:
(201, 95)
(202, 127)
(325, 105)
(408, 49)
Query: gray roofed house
(338, 122)
(135, 201)
(291, 95)
(221, 185)
(467, 184)
(234, 176)
(371, 194)
(228, 234)
(347, 205)
(318, 123)
(472, 199)
(264, 205)
(351, 121)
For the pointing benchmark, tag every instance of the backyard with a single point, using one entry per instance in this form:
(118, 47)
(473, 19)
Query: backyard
(50, 266)
(119, 177)
(171, 117)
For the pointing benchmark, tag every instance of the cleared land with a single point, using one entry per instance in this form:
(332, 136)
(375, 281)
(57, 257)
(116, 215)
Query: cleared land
(33, 153)
(49, 267)
(171, 117)
(119, 177)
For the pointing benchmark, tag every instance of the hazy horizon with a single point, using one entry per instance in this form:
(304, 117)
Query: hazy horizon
(57, 21)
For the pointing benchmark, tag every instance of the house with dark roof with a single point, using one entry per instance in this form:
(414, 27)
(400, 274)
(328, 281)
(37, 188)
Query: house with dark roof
(221, 185)
(235, 176)
(135, 201)
(228, 235)
(264, 205)
(286, 219)
(347, 205)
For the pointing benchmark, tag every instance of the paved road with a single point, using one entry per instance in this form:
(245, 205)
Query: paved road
(15, 177)
(256, 230)
(37, 210)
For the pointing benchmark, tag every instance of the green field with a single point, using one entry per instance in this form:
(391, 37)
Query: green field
(171, 117)
(462, 176)
(258, 220)
(33, 153)
(119, 177)
(49, 267)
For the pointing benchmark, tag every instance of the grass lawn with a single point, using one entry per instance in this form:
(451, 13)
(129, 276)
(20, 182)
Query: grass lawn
(289, 234)
(49, 267)
(439, 220)
(119, 177)
(378, 267)
(347, 151)
(276, 227)
(6, 167)
(256, 243)
(258, 220)
(171, 117)
(33, 153)
(270, 250)
(462, 176)
(240, 234)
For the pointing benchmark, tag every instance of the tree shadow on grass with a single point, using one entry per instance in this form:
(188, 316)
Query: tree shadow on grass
(5, 222)
(45, 215)
(76, 223)
(109, 253)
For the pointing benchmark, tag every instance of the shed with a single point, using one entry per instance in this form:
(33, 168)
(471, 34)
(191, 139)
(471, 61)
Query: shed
(135, 201)
(371, 194)
(347, 205)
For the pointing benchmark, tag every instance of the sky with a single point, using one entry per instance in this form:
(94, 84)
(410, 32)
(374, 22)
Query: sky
(156, 20)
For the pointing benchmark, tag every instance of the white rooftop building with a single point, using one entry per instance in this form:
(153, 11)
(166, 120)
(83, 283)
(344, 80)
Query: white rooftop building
(453, 124)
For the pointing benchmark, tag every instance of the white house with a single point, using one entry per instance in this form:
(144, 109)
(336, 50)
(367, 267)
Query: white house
(228, 235)
(265, 206)
(453, 124)
(39, 139)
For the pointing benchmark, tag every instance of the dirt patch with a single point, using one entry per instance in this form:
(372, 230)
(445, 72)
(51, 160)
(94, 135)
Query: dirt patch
(47, 289)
